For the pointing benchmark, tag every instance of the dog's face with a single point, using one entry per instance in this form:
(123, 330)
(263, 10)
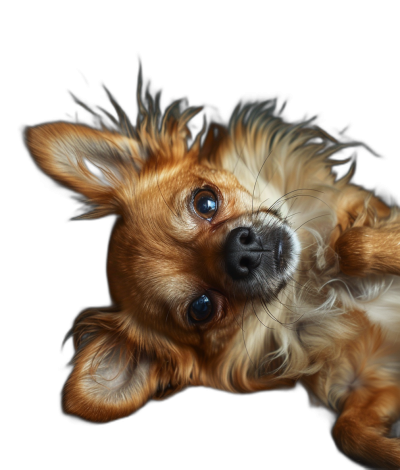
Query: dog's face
(191, 253)
(194, 249)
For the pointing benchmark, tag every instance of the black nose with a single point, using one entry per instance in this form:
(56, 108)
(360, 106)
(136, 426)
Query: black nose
(243, 252)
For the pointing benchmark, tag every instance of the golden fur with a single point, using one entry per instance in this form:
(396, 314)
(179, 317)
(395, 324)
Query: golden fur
(335, 325)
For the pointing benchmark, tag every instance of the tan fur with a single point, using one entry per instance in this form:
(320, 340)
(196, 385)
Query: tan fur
(327, 327)
(366, 419)
(364, 250)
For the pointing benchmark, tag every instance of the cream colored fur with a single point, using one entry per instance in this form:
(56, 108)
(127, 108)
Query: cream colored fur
(309, 316)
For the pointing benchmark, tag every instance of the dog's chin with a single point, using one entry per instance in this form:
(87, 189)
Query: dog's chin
(276, 266)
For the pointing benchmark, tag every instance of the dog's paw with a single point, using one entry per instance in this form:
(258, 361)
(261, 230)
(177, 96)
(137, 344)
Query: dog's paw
(355, 250)
(367, 250)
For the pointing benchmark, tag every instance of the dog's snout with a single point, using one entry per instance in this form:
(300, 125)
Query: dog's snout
(243, 252)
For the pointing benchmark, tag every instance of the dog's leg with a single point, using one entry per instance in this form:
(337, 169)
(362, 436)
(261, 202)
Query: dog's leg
(361, 430)
(365, 250)
(369, 240)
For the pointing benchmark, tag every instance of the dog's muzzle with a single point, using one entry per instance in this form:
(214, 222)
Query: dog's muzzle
(265, 254)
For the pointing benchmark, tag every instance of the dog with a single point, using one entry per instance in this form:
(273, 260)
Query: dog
(238, 261)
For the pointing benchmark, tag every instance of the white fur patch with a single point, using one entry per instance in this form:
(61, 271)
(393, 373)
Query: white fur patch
(385, 309)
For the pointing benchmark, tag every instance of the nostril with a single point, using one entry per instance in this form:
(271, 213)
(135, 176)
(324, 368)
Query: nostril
(249, 262)
(245, 238)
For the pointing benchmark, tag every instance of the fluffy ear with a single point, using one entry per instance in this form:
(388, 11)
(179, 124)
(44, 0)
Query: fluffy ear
(91, 162)
(112, 376)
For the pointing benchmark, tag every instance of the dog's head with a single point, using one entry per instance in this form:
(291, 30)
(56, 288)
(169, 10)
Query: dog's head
(191, 252)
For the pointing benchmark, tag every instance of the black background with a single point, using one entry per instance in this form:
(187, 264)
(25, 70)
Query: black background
(59, 265)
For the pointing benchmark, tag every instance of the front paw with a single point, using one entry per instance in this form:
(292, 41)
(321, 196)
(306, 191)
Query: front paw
(355, 250)
(365, 250)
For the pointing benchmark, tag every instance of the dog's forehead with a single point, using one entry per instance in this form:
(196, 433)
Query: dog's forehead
(172, 178)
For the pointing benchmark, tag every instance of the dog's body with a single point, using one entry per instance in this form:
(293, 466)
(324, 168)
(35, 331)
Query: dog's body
(239, 263)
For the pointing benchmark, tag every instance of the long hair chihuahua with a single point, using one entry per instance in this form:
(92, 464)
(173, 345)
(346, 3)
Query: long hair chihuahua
(237, 261)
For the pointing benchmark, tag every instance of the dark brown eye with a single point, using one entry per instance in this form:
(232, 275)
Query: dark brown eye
(200, 309)
(205, 204)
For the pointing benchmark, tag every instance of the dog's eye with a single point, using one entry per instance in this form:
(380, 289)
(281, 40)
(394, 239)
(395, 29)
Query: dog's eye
(205, 204)
(200, 309)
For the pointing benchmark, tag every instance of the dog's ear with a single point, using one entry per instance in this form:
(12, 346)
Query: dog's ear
(95, 163)
(113, 375)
